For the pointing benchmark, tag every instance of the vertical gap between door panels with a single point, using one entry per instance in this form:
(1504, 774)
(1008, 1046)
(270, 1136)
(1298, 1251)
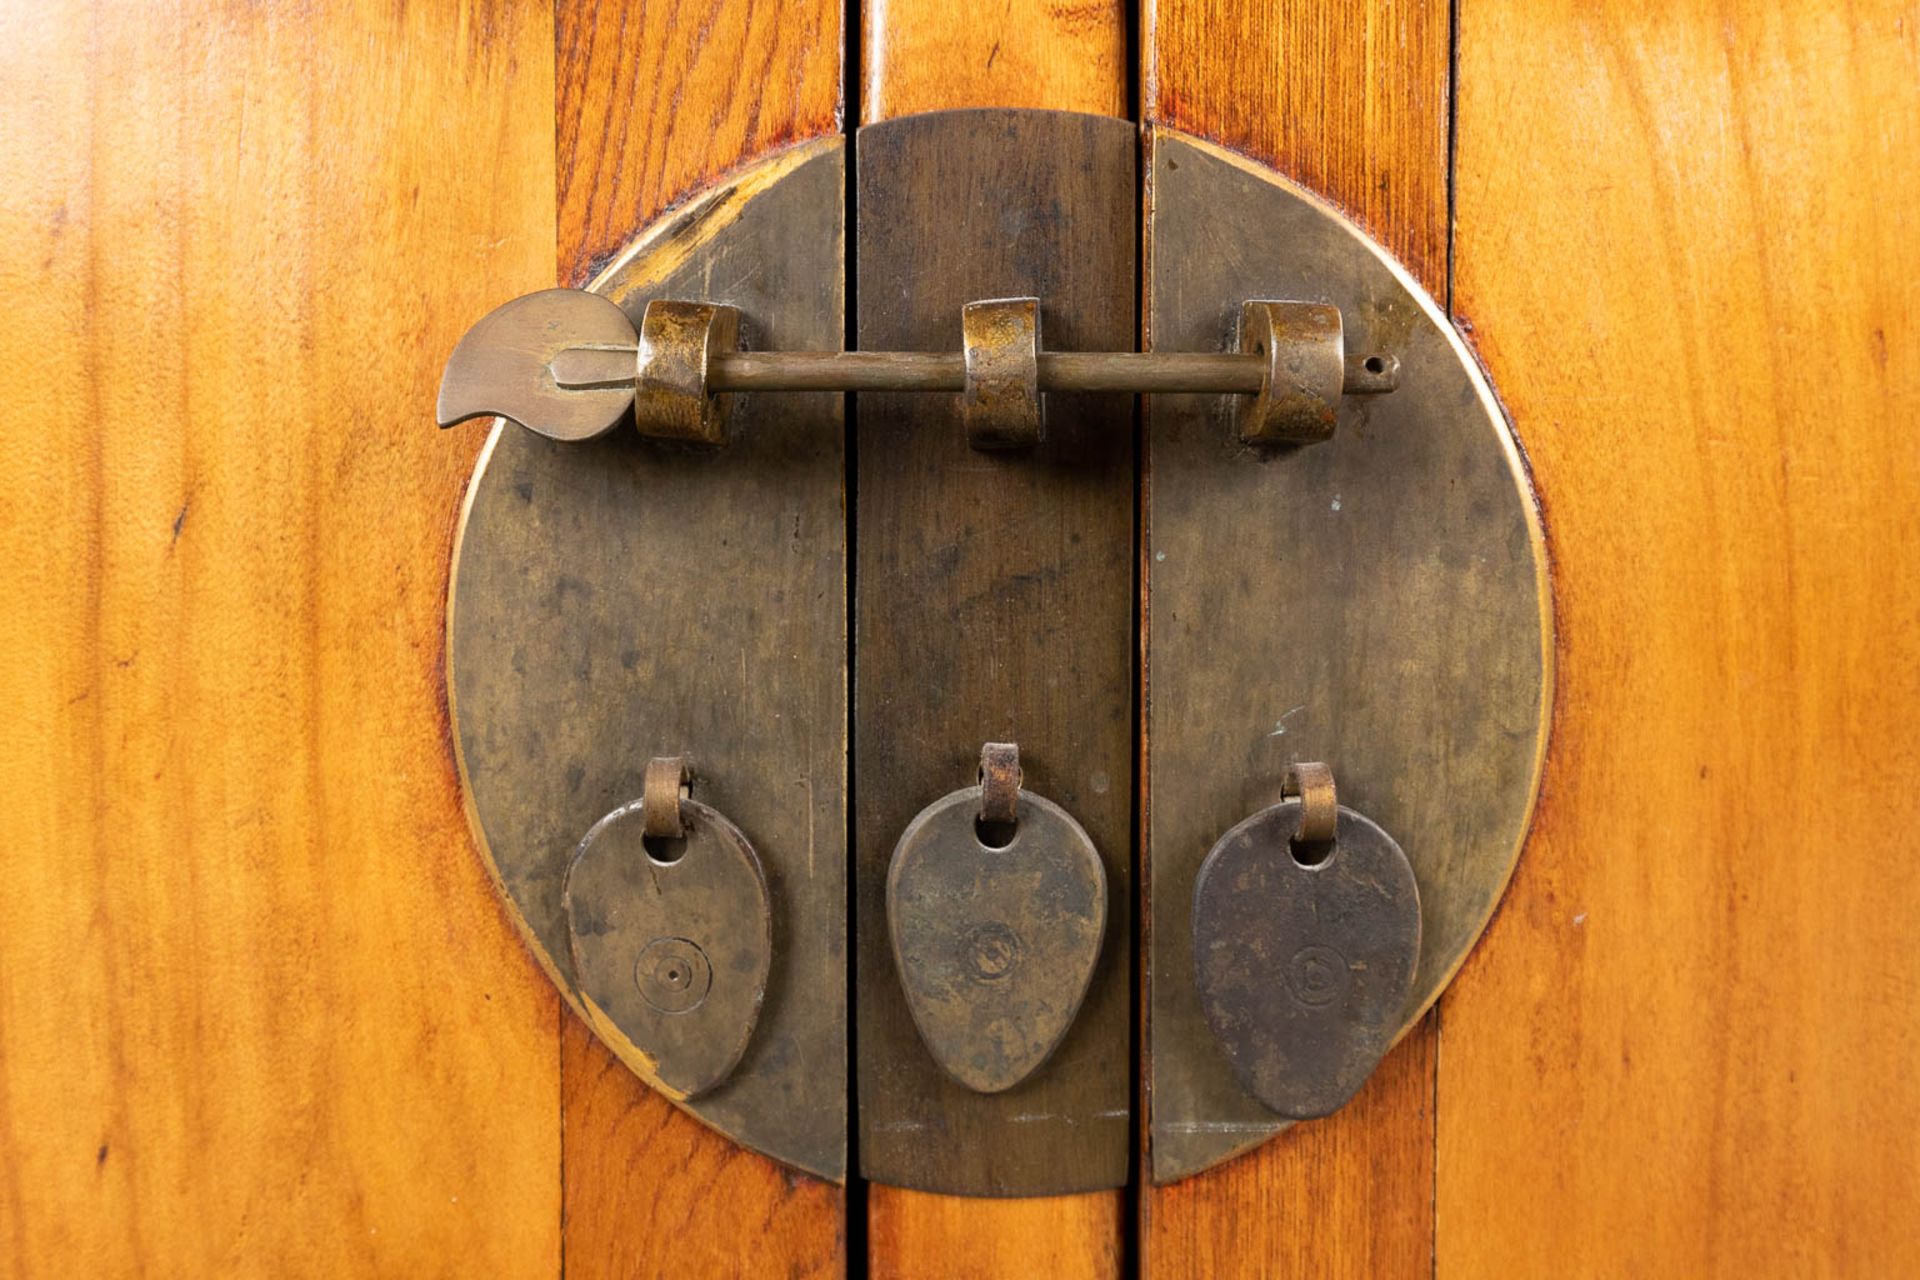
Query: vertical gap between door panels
(1130, 1252)
(1439, 1006)
(854, 1210)
(559, 1005)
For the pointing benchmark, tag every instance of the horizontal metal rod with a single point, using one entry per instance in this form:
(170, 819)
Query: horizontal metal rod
(1200, 372)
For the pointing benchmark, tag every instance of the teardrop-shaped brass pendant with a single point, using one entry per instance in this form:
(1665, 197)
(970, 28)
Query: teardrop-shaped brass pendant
(672, 944)
(995, 946)
(1304, 955)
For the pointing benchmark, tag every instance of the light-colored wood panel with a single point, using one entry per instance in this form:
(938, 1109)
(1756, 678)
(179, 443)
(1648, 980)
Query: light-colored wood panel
(654, 103)
(657, 100)
(258, 1011)
(1350, 100)
(930, 55)
(919, 55)
(915, 1234)
(1350, 1195)
(1686, 250)
(653, 1192)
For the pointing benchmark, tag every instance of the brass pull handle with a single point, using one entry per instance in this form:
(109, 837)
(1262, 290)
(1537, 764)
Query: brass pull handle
(568, 364)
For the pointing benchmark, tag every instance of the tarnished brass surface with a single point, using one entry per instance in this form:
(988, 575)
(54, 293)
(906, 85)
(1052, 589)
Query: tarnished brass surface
(996, 600)
(994, 943)
(671, 937)
(671, 396)
(1304, 953)
(1000, 781)
(1001, 403)
(688, 357)
(617, 592)
(1306, 367)
(1311, 783)
(1378, 601)
(662, 788)
(503, 366)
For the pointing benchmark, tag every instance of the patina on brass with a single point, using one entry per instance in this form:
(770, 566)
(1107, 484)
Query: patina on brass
(682, 378)
(613, 592)
(996, 599)
(1378, 601)
(671, 932)
(508, 364)
(995, 934)
(1304, 953)
(1001, 404)
(666, 783)
(1306, 370)
(1311, 783)
(671, 396)
(1001, 778)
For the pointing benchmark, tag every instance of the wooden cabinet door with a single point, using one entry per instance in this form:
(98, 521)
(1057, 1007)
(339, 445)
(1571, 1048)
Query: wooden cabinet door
(259, 1011)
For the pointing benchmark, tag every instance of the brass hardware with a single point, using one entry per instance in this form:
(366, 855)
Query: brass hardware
(1000, 780)
(678, 344)
(996, 600)
(1001, 404)
(1311, 783)
(671, 945)
(1385, 606)
(1290, 366)
(593, 585)
(666, 784)
(1305, 942)
(506, 365)
(995, 943)
(1304, 373)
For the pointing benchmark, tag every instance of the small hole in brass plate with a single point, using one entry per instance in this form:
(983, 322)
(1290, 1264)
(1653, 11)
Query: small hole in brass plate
(1376, 365)
(994, 835)
(1310, 855)
(664, 850)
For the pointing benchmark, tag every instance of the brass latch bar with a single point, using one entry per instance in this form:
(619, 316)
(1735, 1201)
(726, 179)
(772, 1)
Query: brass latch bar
(569, 364)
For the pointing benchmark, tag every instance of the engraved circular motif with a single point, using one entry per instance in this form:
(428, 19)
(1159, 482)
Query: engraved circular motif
(673, 974)
(989, 951)
(1318, 976)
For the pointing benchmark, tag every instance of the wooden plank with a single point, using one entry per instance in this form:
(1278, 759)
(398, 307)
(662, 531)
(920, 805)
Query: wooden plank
(259, 1013)
(915, 1234)
(932, 55)
(1063, 56)
(1350, 100)
(654, 102)
(1686, 252)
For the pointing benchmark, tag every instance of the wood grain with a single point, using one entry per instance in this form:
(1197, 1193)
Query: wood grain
(1685, 248)
(655, 101)
(909, 52)
(1350, 100)
(652, 103)
(259, 1014)
(930, 55)
(915, 1234)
